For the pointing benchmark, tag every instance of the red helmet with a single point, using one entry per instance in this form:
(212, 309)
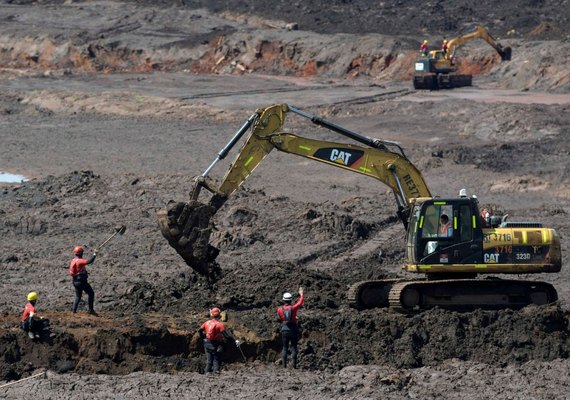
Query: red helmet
(214, 312)
(78, 250)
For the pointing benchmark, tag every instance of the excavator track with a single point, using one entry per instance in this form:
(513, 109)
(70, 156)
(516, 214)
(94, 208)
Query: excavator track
(469, 294)
(441, 81)
(370, 294)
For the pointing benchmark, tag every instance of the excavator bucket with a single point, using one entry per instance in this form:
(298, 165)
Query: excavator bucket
(187, 227)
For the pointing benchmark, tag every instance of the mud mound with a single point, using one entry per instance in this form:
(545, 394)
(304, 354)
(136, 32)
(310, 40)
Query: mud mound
(330, 341)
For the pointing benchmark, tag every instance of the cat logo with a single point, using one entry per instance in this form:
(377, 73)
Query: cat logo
(491, 258)
(340, 156)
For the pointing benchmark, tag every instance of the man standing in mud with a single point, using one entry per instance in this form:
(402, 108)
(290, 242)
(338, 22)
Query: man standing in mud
(79, 276)
(289, 327)
(213, 333)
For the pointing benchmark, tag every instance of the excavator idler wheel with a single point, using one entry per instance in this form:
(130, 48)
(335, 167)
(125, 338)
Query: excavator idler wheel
(410, 298)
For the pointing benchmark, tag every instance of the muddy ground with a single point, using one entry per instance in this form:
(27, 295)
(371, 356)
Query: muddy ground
(111, 108)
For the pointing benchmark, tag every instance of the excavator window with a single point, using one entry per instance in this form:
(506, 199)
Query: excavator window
(465, 227)
(433, 228)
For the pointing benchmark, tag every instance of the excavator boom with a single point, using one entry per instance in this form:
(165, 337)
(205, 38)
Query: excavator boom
(187, 226)
(479, 33)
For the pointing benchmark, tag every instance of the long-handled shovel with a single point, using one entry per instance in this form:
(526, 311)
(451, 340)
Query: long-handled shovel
(241, 351)
(118, 231)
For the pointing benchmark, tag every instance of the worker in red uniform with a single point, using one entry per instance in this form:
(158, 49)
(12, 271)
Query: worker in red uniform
(424, 48)
(30, 321)
(79, 276)
(485, 217)
(446, 230)
(289, 327)
(214, 333)
(444, 47)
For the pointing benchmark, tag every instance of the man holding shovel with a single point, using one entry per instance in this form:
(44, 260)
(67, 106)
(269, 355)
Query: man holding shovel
(79, 273)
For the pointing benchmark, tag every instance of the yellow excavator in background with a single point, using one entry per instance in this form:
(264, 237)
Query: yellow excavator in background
(447, 240)
(437, 70)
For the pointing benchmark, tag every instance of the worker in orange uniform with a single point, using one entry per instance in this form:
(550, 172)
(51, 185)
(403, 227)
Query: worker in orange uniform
(213, 333)
(289, 327)
(446, 230)
(424, 48)
(30, 321)
(79, 276)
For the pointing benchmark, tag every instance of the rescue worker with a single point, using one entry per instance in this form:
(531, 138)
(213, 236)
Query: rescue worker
(213, 333)
(30, 321)
(289, 327)
(485, 217)
(444, 47)
(79, 276)
(424, 48)
(446, 230)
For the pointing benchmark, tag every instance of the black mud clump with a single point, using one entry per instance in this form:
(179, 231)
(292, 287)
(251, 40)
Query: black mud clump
(187, 227)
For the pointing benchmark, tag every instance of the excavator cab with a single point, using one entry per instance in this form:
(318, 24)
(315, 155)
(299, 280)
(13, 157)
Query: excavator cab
(470, 246)
(444, 231)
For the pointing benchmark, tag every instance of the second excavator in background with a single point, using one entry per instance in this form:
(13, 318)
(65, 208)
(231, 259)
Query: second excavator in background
(438, 68)
(447, 240)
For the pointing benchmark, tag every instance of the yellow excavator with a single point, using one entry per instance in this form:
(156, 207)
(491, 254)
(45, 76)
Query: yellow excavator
(447, 239)
(438, 70)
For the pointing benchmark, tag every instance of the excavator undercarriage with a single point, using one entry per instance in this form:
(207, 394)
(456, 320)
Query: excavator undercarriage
(455, 294)
(441, 81)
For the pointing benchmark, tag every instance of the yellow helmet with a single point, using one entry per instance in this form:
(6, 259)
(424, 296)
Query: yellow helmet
(444, 41)
(425, 41)
(32, 296)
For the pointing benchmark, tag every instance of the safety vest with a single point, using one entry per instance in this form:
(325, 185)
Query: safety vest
(445, 228)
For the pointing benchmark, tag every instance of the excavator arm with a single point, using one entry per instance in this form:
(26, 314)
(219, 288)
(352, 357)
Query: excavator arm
(479, 33)
(187, 226)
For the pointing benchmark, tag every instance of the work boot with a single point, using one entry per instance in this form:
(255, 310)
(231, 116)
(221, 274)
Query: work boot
(92, 312)
(31, 335)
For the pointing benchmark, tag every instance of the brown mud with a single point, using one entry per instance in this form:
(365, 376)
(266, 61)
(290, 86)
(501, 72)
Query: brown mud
(113, 110)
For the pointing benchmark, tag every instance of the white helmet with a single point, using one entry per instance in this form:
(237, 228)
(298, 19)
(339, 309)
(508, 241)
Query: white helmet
(287, 296)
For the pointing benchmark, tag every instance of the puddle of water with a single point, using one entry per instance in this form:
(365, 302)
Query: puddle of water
(11, 178)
